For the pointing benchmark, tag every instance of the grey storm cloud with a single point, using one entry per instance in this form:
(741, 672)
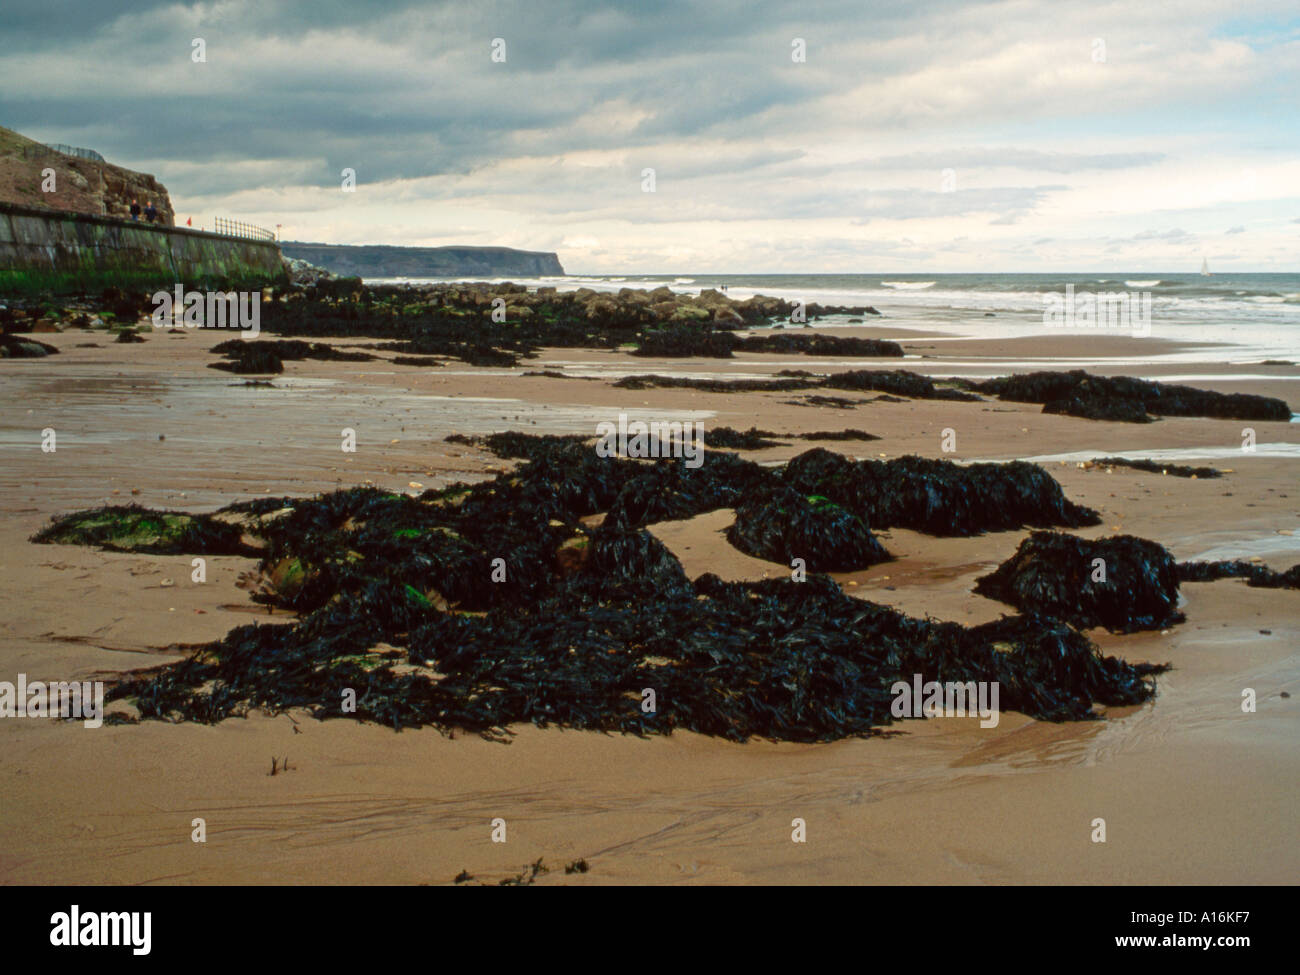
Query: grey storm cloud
(551, 144)
(421, 96)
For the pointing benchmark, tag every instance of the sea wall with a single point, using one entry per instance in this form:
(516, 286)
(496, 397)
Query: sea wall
(69, 253)
(383, 261)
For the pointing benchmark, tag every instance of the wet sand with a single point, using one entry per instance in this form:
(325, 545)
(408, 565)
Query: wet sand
(1192, 790)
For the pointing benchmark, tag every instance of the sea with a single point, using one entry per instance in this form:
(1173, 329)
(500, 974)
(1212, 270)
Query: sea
(1237, 318)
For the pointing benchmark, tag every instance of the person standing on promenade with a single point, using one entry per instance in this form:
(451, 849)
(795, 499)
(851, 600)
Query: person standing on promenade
(150, 212)
(135, 210)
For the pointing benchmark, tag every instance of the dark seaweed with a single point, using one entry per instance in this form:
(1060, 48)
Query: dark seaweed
(131, 528)
(835, 402)
(1056, 575)
(686, 341)
(881, 380)
(1259, 576)
(838, 435)
(713, 385)
(398, 604)
(937, 496)
(725, 438)
(834, 345)
(1151, 467)
(895, 381)
(781, 525)
(1130, 400)
(267, 355)
(22, 347)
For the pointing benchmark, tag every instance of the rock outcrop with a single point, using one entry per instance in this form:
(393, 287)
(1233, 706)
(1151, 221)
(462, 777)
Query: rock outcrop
(87, 186)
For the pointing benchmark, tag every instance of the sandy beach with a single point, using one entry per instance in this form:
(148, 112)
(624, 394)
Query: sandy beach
(1192, 789)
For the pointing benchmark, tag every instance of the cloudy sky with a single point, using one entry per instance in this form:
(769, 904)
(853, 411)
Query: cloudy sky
(914, 136)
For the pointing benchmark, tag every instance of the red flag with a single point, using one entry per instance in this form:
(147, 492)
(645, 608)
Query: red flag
(189, 221)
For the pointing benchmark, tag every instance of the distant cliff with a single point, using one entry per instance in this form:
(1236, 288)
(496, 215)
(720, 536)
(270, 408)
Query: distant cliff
(382, 261)
(87, 186)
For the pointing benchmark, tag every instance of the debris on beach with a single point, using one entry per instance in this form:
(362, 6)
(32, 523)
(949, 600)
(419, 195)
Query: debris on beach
(1126, 399)
(527, 876)
(457, 609)
(1123, 583)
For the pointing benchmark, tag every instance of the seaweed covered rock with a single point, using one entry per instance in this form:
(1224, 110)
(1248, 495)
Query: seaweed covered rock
(1256, 575)
(422, 549)
(669, 491)
(791, 661)
(781, 525)
(251, 359)
(15, 347)
(861, 435)
(1123, 583)
(654, 381)
(686, 341)
(249, 356)
(938, 497)
(1047, 669)
(829, 345)
(1088, 405)
(752, 439)
(480, 606)
(1130, 400)
(131, 528)
(890, 381)
(517, 445)
(632, 564)
(897, 382)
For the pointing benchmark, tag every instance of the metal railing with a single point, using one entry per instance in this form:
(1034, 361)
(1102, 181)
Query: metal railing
(75, 151)
(237, 228)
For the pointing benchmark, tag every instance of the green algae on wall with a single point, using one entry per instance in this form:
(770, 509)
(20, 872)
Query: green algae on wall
(45, 251)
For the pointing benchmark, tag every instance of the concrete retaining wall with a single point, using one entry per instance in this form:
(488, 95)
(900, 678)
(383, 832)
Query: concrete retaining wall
(71, 253)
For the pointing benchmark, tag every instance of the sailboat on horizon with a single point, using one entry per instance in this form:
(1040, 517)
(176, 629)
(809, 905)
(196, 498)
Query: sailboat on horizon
(1205, 269)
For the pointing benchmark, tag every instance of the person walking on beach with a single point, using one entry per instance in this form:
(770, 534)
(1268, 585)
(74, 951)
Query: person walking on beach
(135, 211)
(150, 212)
